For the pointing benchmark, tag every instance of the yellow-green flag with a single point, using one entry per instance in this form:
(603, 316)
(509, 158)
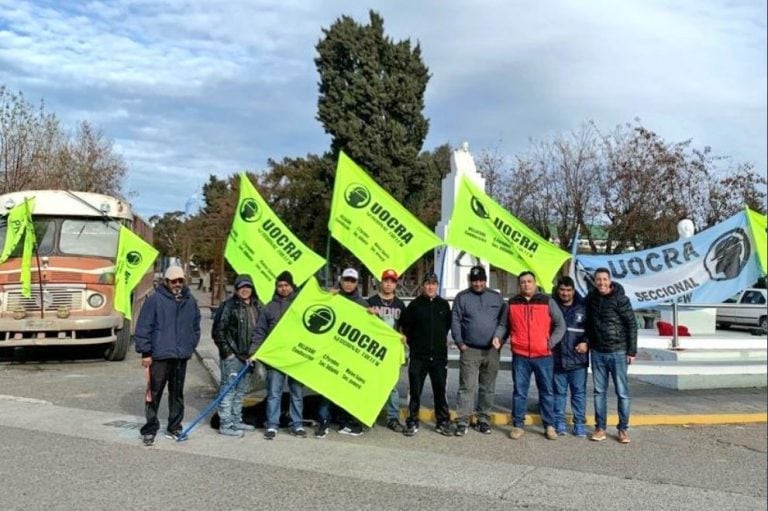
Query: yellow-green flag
(483, 228)
(134, 258)
(373, 225)
(30, 238)
(260, 244)
(758, 225)
(335, 347)
(18, 218)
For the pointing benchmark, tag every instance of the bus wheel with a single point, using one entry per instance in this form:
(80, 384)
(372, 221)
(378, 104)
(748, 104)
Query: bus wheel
(117, 350)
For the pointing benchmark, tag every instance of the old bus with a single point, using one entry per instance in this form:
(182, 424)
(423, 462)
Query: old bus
(73, 273)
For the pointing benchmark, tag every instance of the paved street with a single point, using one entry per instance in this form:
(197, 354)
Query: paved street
(70, 441)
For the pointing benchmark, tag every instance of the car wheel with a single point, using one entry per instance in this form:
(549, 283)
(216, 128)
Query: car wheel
(764, 323)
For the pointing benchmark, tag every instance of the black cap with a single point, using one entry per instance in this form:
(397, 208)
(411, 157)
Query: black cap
(477, 273)
(429, 277)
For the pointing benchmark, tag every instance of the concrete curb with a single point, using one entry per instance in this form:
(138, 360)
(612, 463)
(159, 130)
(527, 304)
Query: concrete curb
(503, 419)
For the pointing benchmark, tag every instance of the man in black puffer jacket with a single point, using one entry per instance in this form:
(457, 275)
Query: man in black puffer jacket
(232, 334)
(612, 336)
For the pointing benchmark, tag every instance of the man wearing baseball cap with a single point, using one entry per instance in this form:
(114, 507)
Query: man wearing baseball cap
(349, 425)
(389, 308)
(232, 329)
(167, 332)
(478, 329)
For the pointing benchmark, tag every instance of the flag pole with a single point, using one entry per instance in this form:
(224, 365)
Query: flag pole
(31, 225)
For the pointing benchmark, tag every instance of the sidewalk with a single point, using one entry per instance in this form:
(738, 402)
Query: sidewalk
(651, 405)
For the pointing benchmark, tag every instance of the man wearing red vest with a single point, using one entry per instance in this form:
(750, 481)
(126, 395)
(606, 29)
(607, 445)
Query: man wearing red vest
(536, 325)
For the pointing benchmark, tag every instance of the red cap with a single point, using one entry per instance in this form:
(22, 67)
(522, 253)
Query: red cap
(389, 274)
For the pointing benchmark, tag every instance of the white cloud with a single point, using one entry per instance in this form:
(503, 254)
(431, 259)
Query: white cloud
(187, 88)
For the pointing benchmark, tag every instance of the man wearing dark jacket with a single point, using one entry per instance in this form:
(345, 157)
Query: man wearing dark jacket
(612, 336)
(536, 325)
(232, 335)
(477, 329)
(426, 323)
(167, 332)
(285, 292)
(571, 359)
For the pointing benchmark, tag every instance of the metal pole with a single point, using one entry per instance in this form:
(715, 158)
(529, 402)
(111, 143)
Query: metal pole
(674, 326)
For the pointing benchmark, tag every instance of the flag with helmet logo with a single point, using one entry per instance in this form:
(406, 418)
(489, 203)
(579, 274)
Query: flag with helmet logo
(372, 224)
(134, 258)
(483, 228)
(335, 347)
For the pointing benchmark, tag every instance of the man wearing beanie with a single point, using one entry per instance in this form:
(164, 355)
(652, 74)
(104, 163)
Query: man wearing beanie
(232, 330)
(167, 332)
(285, 292)
(477, 327)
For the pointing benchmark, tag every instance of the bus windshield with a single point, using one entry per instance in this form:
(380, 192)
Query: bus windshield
(45, 230)
(69, 236)
(88, 237)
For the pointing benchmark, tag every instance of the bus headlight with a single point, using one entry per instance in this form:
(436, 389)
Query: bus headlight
(96, 300)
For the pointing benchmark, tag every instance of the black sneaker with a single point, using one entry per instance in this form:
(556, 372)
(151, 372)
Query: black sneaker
(298, 432)
(148, 439)
(270, 434)
(461, 430)
(411, 430)
(321, 431)
(173, 435)
(352, 430)
(483, 427)
(444, 428)
(395, 425)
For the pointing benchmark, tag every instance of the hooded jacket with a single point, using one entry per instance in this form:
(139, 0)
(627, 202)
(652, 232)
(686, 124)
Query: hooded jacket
(233, 330)
(566, 357)
(168, 328)
(611, 324)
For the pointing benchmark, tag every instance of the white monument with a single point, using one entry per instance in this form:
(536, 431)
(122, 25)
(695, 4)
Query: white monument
(452, 265)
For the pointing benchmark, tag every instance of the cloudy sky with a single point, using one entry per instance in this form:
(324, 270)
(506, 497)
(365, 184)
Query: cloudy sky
(188, 88)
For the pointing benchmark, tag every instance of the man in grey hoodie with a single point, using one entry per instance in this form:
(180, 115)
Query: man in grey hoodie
(478, 330)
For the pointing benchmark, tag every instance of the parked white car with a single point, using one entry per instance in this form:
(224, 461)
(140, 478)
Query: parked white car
(748, 308)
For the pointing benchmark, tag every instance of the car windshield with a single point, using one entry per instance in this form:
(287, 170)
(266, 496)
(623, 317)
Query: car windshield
(88, 237)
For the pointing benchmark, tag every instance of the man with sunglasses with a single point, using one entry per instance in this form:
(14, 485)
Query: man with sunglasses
(167, 332)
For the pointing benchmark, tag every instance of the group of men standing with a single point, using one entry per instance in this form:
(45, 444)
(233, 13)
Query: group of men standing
(551, 339)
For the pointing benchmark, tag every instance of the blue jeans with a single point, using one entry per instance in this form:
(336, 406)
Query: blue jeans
(393, 405)
(231, 406)
(275, 383)
(614, 364)
(576, 381)
(542, 369)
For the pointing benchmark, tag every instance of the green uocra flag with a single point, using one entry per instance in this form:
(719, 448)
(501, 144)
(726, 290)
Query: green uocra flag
(20, 224)
(373, 225)
(335, 347)
(483, 228)
(134, 258)
(260, 244)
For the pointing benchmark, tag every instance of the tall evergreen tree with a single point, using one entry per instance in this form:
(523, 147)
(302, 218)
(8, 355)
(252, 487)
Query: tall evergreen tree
(371, 97)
